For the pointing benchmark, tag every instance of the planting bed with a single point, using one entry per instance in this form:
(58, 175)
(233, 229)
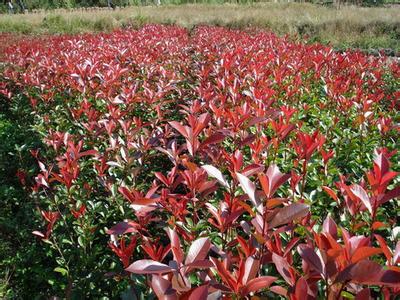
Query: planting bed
(216, 163)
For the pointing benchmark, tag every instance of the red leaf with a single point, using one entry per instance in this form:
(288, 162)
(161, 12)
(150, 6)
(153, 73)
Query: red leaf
(224, 274)
(252, 169)
(87, 153)
(331, 193)
(38, 233)
(364, 294)
(369, 272)
(41, 180)
(250, 189)
(256, 120)
(217, 295)
(264, 181)
(301, 291)
(200, 264)
(390, 195)
(199, 293)
(126, 193)
(363, 272)
(390, 278)
(256, 284)
(361, 194)
(175, 245)
(275, 180)
(124, 227)
(182, 129)
(384, 247)
(288, 214)
(213, 139)
(198, 250)
(217, 174)
(382, 162)
(283, 268)
(279, 290)
(251, 269)
(377, 225)
(396, 254)
(308, 254)
(290, 245)
(163, 288)
(148, 266)
(274, 202)
(202, 122)
(330, 227)
(364, 252)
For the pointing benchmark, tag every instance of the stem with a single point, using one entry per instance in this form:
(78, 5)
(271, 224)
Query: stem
(68, 289)
(62, 215)
(54, 242)
(362, 138)
(303, 184)
(262, 245)
(342, 288)
(224, 240)
(327, 287)
(371, 230)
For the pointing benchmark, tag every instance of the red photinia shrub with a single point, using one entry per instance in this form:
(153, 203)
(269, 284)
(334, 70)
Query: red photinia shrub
(220, 164)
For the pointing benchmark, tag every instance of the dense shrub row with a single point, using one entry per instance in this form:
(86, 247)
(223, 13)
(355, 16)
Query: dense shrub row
(70, 4)
(222, 163)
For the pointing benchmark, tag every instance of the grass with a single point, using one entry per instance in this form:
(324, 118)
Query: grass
(365, 28)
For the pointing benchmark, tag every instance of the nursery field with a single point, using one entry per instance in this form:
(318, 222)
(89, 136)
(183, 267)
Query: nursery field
(209, 163)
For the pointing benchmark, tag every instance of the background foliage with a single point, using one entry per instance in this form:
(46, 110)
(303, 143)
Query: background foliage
(371, 29)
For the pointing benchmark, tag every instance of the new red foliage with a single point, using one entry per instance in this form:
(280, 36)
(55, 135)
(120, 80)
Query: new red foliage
(216, 137)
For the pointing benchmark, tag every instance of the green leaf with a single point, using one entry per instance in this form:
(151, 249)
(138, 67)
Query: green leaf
(47, 241)
(347, 295)
(80, 241)
(65, 241)
(63, 271)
